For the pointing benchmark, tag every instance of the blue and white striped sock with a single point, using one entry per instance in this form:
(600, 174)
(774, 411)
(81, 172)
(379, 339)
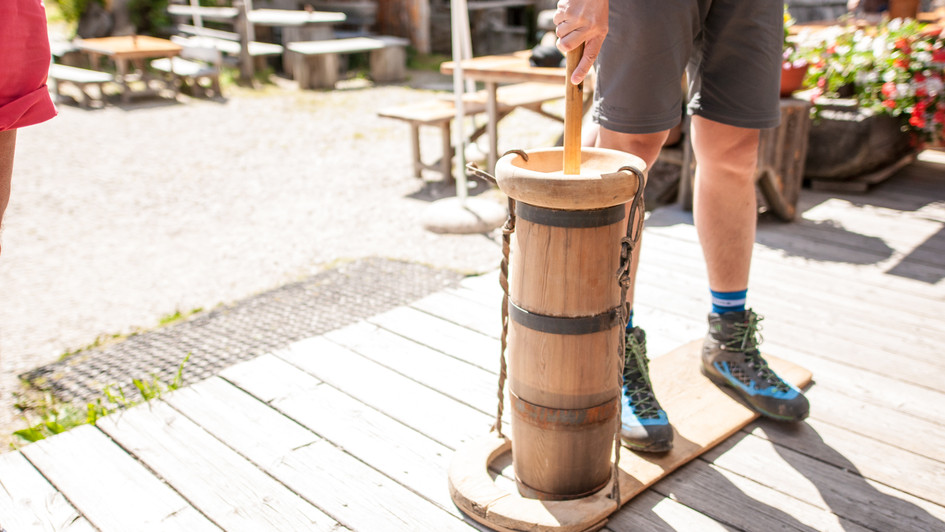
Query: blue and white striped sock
(723, 302)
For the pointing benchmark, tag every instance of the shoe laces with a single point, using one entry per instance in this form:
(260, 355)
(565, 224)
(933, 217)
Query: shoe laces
(636, 376)
(747, 338)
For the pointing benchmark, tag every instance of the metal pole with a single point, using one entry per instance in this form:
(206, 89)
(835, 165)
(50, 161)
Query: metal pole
(460, 34)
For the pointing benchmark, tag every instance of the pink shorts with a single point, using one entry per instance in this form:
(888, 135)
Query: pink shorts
(24, 64)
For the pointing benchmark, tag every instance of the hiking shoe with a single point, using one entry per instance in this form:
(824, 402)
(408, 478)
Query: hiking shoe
(643, 423)
(730, 357)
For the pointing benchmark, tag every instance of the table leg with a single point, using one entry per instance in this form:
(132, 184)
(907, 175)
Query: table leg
(121, 65)
(492, 109)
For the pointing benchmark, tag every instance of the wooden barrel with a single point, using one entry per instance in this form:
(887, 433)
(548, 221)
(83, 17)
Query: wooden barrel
(564, 329)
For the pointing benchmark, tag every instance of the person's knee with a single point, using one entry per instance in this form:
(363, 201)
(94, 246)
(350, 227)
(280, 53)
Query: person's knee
(725, 153)
(646, 146)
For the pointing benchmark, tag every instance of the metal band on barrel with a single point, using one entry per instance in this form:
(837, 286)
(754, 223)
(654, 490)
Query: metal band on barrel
(571, 219)
(563, 418)
(563, 325)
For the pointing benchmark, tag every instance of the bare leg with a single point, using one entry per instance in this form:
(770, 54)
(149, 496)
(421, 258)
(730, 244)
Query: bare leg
(724, 206)
(7, 143)
(647, 147)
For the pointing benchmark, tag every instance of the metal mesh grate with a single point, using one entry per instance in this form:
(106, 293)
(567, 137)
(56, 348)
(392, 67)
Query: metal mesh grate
(241, 331)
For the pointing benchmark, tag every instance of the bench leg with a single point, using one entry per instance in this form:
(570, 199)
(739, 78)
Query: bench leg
(446, 163)
(388, 64)
(316, 71)
(415, 150)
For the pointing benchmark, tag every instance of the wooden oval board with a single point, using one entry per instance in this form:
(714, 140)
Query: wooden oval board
(702, 414)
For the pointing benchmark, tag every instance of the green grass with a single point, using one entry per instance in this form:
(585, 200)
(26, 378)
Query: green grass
(178, 316)
(431, 62)
(51, 416)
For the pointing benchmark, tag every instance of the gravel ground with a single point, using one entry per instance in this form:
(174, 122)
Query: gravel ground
(127, 214)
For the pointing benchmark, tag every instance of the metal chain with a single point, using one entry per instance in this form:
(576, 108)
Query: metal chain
(627, 246)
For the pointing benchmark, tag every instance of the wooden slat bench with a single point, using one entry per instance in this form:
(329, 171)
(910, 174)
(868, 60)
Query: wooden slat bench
(440, 112)
(228, 42)
(80, 78)
(315, 64)
(194, 64)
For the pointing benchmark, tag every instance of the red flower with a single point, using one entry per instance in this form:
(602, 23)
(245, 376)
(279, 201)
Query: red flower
(903, 44)
(938, 56)
(917, 120)
(939, 116)
(902, 62)
(921, 92)
(890, 104)
(832, 49)
(918, 77)
(889, 89)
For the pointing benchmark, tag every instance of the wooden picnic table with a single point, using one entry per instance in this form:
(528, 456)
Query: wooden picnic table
(507, 68)
(128, 49)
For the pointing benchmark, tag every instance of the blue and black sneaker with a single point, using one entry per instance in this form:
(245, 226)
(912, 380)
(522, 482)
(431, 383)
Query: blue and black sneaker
(730, 357)
(644, 425)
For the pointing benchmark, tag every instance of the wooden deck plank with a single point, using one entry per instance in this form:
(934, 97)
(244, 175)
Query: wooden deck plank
(852, 296)
(231, 414)
(920, 436)
(653, 512)
(394, 449)
(794, 255)
(350, 490)
(440, 417)
(867, 457)
(460, 310)
(848, 409)
(816, 334)
(883, 423)
(805, 302)
(850, 291)
(838, 216)
(844, 493)
(223, 485)
(444, 336)
(29, 502)
(109, 487)
(357, 495)
(420, 363)
(746, 504)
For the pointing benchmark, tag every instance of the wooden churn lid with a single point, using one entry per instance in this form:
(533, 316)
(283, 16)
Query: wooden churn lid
(570, 177)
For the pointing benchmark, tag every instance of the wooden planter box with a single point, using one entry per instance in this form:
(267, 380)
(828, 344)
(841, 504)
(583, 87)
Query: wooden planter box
(847, 142)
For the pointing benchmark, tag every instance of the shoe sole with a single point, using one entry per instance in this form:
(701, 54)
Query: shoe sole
(723, 382)
(651, 448)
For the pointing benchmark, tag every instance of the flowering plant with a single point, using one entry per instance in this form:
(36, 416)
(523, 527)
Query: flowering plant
(895, 69)
(792, 54)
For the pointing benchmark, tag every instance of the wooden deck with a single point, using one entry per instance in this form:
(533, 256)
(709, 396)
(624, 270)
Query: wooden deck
(355, 429)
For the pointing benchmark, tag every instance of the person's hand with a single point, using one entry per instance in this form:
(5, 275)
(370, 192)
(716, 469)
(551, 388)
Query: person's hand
(581, 21)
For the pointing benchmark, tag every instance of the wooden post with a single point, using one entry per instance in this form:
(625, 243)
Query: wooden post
(243, 25)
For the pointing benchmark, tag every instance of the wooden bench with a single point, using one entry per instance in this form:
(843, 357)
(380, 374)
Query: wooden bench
(241, 44)
(194, 64)
(228, 42)
(315, 64)
(440, 112)
(80, 78)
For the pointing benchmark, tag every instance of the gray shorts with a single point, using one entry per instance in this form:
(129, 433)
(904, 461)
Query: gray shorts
(730, 50)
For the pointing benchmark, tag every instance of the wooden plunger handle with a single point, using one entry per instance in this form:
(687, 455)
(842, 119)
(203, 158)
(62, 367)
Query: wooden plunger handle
(573, 114)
